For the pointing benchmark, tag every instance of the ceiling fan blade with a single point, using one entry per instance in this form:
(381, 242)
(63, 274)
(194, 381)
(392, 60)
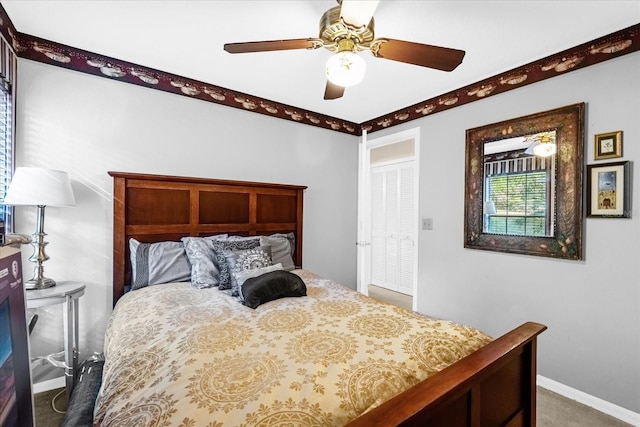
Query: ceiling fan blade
(333, 91)
(270, 45)
(358, 12)
(424, 55)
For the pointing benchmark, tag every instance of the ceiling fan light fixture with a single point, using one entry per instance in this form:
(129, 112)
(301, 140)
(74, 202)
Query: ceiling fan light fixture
(544, 149)
(357, 13)
(543, 145)
(346, 69)
(347, 29)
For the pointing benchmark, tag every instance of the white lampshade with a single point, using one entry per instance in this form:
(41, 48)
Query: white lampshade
(346, 69)
(39, 187)
(489, 207)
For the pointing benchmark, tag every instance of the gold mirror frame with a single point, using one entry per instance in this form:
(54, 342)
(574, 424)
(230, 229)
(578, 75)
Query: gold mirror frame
(566, 243)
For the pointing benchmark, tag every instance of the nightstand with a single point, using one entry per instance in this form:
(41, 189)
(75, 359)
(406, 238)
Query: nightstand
(67, 293)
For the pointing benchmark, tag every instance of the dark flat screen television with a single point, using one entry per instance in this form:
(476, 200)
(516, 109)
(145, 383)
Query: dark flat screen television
(16, 403)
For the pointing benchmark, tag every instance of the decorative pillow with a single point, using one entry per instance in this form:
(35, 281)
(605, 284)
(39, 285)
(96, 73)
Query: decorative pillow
(199, 250)
(289, 236)
(271, 286)
(248, 259)
(155, 263)
(235, 244)
(281, 250)
(243, 275)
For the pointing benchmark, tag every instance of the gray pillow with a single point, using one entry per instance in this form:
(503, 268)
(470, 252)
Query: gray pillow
(199, 250)
(290, 237)
(155, 263)
(281, 249)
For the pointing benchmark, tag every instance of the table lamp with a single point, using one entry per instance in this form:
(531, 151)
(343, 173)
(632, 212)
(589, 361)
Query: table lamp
(39, 187)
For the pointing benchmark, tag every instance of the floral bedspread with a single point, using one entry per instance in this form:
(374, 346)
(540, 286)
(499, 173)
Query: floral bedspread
(179, 356)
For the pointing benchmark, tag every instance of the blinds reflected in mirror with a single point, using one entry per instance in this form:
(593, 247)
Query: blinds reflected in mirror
(521, 190)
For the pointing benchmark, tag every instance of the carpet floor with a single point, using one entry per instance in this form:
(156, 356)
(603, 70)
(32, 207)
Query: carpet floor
(392, 297)
(46, 415)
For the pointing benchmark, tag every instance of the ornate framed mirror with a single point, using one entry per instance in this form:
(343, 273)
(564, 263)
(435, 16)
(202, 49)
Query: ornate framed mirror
(523, 184)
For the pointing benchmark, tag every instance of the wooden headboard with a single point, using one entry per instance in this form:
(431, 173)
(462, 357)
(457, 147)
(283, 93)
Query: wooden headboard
(154, 208)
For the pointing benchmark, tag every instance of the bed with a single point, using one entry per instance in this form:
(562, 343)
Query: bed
(176, 354)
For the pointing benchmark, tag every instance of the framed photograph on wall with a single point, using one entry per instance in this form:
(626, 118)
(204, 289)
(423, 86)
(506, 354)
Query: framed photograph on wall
(608, 190)
(608, 145)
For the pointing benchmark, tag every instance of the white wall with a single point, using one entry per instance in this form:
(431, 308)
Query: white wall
(88, 125)
(592, 307)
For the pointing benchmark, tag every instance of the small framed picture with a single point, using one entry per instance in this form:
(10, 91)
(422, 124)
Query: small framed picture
(608, 190)
(608, 145)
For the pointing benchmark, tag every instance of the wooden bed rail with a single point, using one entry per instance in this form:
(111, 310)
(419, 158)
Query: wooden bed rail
(494, 386)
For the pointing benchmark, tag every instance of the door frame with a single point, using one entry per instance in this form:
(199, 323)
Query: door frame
(363, 270)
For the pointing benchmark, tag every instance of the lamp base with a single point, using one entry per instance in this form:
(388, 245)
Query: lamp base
(39, 283)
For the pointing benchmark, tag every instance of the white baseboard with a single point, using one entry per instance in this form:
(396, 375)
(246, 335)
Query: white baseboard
(596, 403)
(47, 385)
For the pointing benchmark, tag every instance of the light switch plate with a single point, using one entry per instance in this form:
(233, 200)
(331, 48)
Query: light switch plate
(427, 223)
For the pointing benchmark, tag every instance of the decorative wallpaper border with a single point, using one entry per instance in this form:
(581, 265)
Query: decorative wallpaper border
(599, 50)
(52, 53)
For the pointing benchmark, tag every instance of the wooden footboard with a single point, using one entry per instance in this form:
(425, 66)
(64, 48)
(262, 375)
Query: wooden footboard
(494, 386)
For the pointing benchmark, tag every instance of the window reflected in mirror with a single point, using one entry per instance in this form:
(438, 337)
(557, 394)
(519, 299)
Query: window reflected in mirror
(519, 182)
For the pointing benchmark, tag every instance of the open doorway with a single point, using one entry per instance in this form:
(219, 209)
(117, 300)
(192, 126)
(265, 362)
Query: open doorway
(388, 218)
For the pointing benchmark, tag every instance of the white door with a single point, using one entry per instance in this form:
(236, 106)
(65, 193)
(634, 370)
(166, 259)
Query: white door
(388, 213)
(392, 226)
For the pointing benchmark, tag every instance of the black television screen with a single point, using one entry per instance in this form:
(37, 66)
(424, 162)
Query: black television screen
(8, 400)
(16, 403)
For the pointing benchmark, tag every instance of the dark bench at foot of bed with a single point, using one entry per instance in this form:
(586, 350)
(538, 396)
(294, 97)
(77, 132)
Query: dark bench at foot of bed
(83, 398)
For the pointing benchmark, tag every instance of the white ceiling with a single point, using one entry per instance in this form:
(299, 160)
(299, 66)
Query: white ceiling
(186, 38)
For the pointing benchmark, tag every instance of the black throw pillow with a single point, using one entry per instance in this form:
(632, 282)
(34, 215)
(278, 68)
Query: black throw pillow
(271, 286)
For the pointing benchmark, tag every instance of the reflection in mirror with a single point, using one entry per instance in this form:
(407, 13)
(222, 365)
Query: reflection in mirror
(519, 185)
(523, 184)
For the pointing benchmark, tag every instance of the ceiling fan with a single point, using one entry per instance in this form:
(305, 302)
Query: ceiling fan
(542, 144)
(347, 29)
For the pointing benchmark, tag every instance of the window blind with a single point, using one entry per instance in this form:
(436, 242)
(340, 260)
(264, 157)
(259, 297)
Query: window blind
(6, 152)
(7, 82)
(520, 201)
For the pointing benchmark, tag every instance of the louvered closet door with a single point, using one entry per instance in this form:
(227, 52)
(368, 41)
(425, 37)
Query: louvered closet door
(392, 228)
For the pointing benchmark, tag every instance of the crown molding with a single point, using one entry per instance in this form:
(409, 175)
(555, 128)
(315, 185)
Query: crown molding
(602, 49)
